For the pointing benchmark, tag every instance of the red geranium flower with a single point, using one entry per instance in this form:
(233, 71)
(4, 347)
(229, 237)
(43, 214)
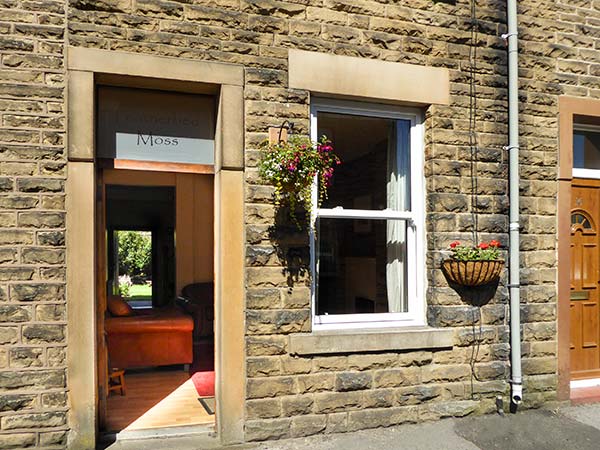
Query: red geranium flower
(454, 244)
(494, 243)
(483, 245)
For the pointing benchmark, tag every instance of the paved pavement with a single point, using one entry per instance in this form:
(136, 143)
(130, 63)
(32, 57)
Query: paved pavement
(566, 428)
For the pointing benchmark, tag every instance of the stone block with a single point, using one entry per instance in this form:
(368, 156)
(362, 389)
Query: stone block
(40, 185)
(43, 333)
(397, 377)
(266, 345)
(415, 395)
(295, 365)
(263, 298)
(372, 361)
(54, 400)
(15, 237)
(32, 380)
(58, 438)
(315, 382)
(42, 255)
(8, 335)
(17, 440)
(281, 321)
(445, 373)
(8, 255)
(16, 273)
(434, 411)
(296, 405)
(50, 313)
(37, 292)
(328, 402)
(420, 358)
(263, 366)
(379, 398)
(263, 408)
(13, 313)
(16, 402)
(54, 238)
(18, 202)
(41, 219)
(26, 357)
(296, 298)
(56, 357)
(337, 423)
(262, 430)
(33, 420)
(330, 363)
(381, 417)
(308, 425)
(352, 381)
(269, 387)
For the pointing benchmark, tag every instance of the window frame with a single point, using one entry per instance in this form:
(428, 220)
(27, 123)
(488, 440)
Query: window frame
(416, 279)
(580, 172)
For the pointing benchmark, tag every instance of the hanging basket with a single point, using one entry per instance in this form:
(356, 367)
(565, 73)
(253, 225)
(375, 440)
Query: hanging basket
(472, 273)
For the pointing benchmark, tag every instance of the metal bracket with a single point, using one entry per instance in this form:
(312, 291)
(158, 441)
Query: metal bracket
(509, 147)
(505, 36)
(289, 126)
(517, 285)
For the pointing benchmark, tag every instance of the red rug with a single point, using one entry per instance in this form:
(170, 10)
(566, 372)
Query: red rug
(204, 382)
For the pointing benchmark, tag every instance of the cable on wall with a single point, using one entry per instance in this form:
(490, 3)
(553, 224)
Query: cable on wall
(473, 147)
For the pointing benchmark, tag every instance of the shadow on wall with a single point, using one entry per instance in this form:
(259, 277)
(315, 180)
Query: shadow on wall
(475, 295)
(292, 245)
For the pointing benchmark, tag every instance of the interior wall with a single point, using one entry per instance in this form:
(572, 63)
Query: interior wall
(194, 240)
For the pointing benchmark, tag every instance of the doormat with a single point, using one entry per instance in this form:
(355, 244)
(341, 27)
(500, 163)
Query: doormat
(208, 403)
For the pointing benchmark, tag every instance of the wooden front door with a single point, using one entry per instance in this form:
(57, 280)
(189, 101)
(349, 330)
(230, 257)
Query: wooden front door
(585, 279)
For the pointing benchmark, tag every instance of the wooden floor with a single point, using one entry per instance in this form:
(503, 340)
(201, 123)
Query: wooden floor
(156, 399)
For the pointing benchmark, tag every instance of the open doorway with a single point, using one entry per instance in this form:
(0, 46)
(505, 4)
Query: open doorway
(156, 347)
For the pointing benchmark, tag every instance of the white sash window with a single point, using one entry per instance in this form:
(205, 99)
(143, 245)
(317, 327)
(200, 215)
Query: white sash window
(367, 243)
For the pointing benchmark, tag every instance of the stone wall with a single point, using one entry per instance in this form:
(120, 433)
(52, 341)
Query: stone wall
(33, 398)
(293, 396)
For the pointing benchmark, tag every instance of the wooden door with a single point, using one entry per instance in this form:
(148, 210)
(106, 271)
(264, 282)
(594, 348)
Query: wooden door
(585, 279)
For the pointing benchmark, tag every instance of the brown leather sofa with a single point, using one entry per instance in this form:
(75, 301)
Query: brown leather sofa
(154, 337)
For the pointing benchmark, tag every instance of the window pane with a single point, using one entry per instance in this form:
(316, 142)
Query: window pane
(362, 266)
(375, 169)
(586, 149)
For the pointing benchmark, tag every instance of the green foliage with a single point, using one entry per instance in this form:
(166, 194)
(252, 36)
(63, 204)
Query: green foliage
(485, 251)
(291, 167)
(135, 252)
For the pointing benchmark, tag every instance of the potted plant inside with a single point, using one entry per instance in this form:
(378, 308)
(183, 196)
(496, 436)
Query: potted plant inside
(290, 166)
(473, 266)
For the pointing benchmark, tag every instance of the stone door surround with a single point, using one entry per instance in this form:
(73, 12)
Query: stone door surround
(86, 69)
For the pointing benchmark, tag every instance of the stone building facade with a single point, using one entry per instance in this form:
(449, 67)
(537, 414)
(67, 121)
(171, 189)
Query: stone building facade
(290, 391)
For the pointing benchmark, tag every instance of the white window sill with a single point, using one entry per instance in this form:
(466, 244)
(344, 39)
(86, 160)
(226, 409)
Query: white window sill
(370, 340)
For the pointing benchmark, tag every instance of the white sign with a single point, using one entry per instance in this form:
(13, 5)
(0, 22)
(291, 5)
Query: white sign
(159, 126)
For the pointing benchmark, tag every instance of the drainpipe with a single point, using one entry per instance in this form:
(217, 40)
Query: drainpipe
(513, 150)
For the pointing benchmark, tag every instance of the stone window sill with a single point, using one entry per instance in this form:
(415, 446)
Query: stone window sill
(370, 340)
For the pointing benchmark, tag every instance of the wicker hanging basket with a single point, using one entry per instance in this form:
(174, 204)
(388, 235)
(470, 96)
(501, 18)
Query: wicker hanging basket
(472, 273)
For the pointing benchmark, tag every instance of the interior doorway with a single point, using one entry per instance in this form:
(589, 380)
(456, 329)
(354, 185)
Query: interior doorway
(155, 300)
